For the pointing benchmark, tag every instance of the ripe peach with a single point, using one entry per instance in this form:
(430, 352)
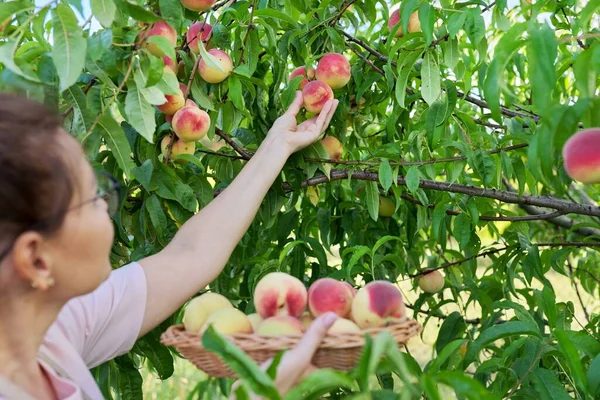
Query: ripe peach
(334, 70)
(353, 290)
(198, 30)
(197, 5)
(387, 207)
(306, 319)
(179, 147)
(581, 154)
(213, 75)
(334, 147)
(255, 319)
(301, 71)
(343, 325)
(229, 321)
(414, 25)
(191, 123)
(431, 282)
(327, 294)
(377, 304)
(279, 293)
(316, 94)
(280, 325)
(159, 28)
(197, 311)
(169, 64)
(174, 101)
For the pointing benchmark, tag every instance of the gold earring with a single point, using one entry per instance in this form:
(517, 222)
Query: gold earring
(35, 285)
(50, 282)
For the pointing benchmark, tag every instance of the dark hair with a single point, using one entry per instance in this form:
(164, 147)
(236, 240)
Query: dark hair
(35, 179)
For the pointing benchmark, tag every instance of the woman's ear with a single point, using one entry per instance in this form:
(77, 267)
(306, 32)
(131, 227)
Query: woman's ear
(32, 261)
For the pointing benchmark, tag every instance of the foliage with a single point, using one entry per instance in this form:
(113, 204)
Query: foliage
(462, 124)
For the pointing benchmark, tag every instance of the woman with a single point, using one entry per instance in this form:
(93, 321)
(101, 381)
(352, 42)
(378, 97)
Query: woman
(62, 309)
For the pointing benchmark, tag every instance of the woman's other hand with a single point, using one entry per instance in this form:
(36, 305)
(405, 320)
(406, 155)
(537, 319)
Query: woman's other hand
(296, 136)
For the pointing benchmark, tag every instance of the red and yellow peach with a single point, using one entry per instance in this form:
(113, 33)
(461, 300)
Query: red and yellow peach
(431, 282)
(191, 123)
(213, 75)
(581, 155)
(378, 304)
(334, 70)
(316, 94)
(414, 25)
(280, 325)
(301, 71)
(199, 30)
(327, 294)
(279, 293)
(197, 5)
(163, 29)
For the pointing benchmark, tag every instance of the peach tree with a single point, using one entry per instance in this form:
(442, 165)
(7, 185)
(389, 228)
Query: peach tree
(445, 154)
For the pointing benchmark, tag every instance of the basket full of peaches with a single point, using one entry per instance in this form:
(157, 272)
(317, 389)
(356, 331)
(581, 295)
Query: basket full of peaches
(284, 309)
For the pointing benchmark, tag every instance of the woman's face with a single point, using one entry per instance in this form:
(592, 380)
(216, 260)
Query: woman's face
(80, 249)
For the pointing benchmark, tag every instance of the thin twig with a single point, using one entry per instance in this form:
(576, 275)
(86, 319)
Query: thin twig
(240, 150)
(587, 316)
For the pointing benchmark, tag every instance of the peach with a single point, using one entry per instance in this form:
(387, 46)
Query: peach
(334, 70)
(159, 28)
(278, 293)
(327, 294)
(170, 64)
(343, 325)
(581, 154)
(197, 5)
(191, 123)
(228, 321)
(255, 319)
(387, 207)
(431, 282)
(352, 289)
(280, 325)
(179, 147)
(414, 25)
(301, 71)
(174, 101)
(306, 319)
(316, 94)
(334, 147)
(213, 75)
(198, 310)
(378, 304)
(199, 30)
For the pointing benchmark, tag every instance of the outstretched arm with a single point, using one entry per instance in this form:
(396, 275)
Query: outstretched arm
(201, 248)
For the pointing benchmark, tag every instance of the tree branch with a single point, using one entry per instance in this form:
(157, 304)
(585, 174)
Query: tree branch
(239, 149)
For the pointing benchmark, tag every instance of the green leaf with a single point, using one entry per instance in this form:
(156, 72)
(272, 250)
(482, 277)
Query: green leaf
(208, 58)
(140, 113)
(129, 379)
(462, 230)
(453, 327)
(385, 174)
(157, 215)
(69, 47)
(413, 179)
(427, 19)
(240, 363)
(572, 358)
(456, 22)
(475, 25)
(384, 240)
(372, 199)
(496, 332)
(104, 11)
(136, 11)
(465, 386)
(547, 385)
(235, 92)
(593, 376)
(143, 174)
(451, 53)
(172, 11)
(404, 69)
(115, 138)
(445, 354)
(164, 45)
(272, 13)
(541, 51)
(7, 54)
(318, 384)
(430, 73)
(9, 8)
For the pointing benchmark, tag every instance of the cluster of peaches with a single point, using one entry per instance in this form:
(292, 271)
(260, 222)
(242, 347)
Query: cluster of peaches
(189, 122)
(281, 303)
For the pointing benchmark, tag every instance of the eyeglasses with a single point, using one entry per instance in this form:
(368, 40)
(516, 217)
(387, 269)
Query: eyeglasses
(108, 190)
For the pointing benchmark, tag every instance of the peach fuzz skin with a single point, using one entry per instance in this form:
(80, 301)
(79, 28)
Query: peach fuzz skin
(197, 5)
(377, 304)
(280, 325)
(581, 154)
(432, 282)
(199, 29)
(414, 25)
(301, 71)
(334, 70)
(179, 147)
(213, 75)
(334, 147)
(191, 123)
(160, 28)
(316, 94)
(327, 294)
(229, 321)
(278, 293)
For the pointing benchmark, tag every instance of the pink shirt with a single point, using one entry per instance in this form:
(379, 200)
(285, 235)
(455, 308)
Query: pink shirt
(95, 328)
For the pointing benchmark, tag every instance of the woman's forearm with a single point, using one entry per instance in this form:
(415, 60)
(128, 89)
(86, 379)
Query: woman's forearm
(203, 245)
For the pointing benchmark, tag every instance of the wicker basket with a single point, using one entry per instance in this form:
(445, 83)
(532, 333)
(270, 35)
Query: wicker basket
(339, 351)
